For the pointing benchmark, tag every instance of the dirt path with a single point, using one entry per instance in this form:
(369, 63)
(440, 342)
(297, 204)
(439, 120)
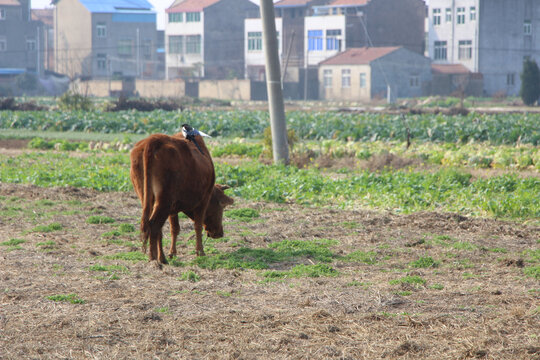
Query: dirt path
(476, 301)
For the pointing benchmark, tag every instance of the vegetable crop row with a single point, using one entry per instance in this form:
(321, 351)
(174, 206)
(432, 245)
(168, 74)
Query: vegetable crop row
(507, 196)
(493, 128)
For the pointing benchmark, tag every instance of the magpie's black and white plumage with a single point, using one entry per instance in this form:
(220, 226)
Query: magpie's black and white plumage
(190, 133)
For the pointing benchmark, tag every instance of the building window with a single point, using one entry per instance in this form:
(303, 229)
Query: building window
(176, 17)
(510, 79)
(460, 15)
(315, 40)
(414, 81)
(363, 81)
(3, 43)
(436, 16)
(448, 17)
(464, 49)
(193, 17)
(125, 47)
(176, 44)
(30, 44)
(101, 30)
(101, 61)
(2, 14)
(472, 13)
(147, 48)
(346, 78)
(333, 41)
(440, 50)
(254, 41)
(527, 28)
(327, 78)
(193, 44)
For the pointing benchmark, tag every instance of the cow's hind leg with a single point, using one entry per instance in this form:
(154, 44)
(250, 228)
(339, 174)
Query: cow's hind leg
(157, 220)
(175, 229)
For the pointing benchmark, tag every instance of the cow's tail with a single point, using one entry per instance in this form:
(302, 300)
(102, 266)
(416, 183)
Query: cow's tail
(148, 196)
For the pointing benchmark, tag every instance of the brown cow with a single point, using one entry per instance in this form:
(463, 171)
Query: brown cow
(171, 174)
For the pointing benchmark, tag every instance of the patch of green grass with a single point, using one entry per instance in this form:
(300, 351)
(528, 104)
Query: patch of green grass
(163, 310)
(468, 275)
(350, 224)
(49, 244)
(436, 287)
(532, 271)
(300, 271)
(314, 249)
(99, 219)
(404, 293)
(44, 203)
(71, 298)
(12, 242)
(424, 262)
(126, 228)
(414, 280)
(224, 293)
(242, 214)
(109, 268)
(129, 256)
(111, 234)
(190, 276)
(464, 245)
(48, 228)
(366, 257)
(498, 250)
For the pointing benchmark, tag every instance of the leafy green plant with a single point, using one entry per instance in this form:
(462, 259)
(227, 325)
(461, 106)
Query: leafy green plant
(71, 100)
(71, 298)
(424, 262)
(243, 214)
(12, 242)
(99, 219)
(190, 276)
(129, 256)
(414, 280)
(48, 228)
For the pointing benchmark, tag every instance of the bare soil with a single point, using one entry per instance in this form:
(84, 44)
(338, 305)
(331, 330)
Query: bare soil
(477, 303)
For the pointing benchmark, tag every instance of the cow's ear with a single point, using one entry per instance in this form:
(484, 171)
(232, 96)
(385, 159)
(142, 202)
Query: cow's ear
(224, 187)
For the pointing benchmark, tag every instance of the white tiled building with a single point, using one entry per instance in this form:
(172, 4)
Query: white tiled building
(486, 36)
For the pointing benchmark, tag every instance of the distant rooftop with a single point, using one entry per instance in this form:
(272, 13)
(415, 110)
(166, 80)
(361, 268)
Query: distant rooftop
(449, 69)
(359, 56)
(190, 5)
(44, 15)
(9, 3)
(291, 3)
(116, 6)
(347, 3)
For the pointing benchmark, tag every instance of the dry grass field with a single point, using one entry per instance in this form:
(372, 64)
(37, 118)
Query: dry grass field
(286, 282)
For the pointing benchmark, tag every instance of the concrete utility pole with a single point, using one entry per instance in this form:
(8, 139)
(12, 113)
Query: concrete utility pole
(280, 146)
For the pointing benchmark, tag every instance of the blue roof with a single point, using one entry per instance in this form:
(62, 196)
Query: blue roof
(11, 71)
(114, 6)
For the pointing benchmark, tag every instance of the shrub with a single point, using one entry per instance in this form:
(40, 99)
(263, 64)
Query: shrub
(74, 101)
(530, 82)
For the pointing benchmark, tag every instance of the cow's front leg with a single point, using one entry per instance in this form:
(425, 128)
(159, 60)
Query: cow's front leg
(175, 229)
(198, 233)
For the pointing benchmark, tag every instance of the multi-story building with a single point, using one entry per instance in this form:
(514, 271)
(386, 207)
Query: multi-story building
(205, 38)
(105, 38)
(21, 38)
(318, 29)
(487, 37)
(45, 18)
(254, 54)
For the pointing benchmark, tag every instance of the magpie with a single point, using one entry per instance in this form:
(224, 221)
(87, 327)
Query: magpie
(190, 133)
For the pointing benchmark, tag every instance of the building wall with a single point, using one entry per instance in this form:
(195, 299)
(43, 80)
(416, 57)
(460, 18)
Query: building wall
(140, 63)
(499, 43)
(225, 89)
(224, 50)
(352, 93)
(406, 72)
(174, 63)
(255, 59)
(324, 23)
(15, 29)
(144, 88)
(396, 23)
(73, 26)
(504, 45)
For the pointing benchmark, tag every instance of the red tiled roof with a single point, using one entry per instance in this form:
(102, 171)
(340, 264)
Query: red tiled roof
(449, 69)
(349, 2)
(190, 5)
(291, 3)
(43, 15)
(10, 3)
(359, 56)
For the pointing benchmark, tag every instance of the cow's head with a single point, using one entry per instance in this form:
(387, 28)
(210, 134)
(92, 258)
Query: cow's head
(213, 223)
